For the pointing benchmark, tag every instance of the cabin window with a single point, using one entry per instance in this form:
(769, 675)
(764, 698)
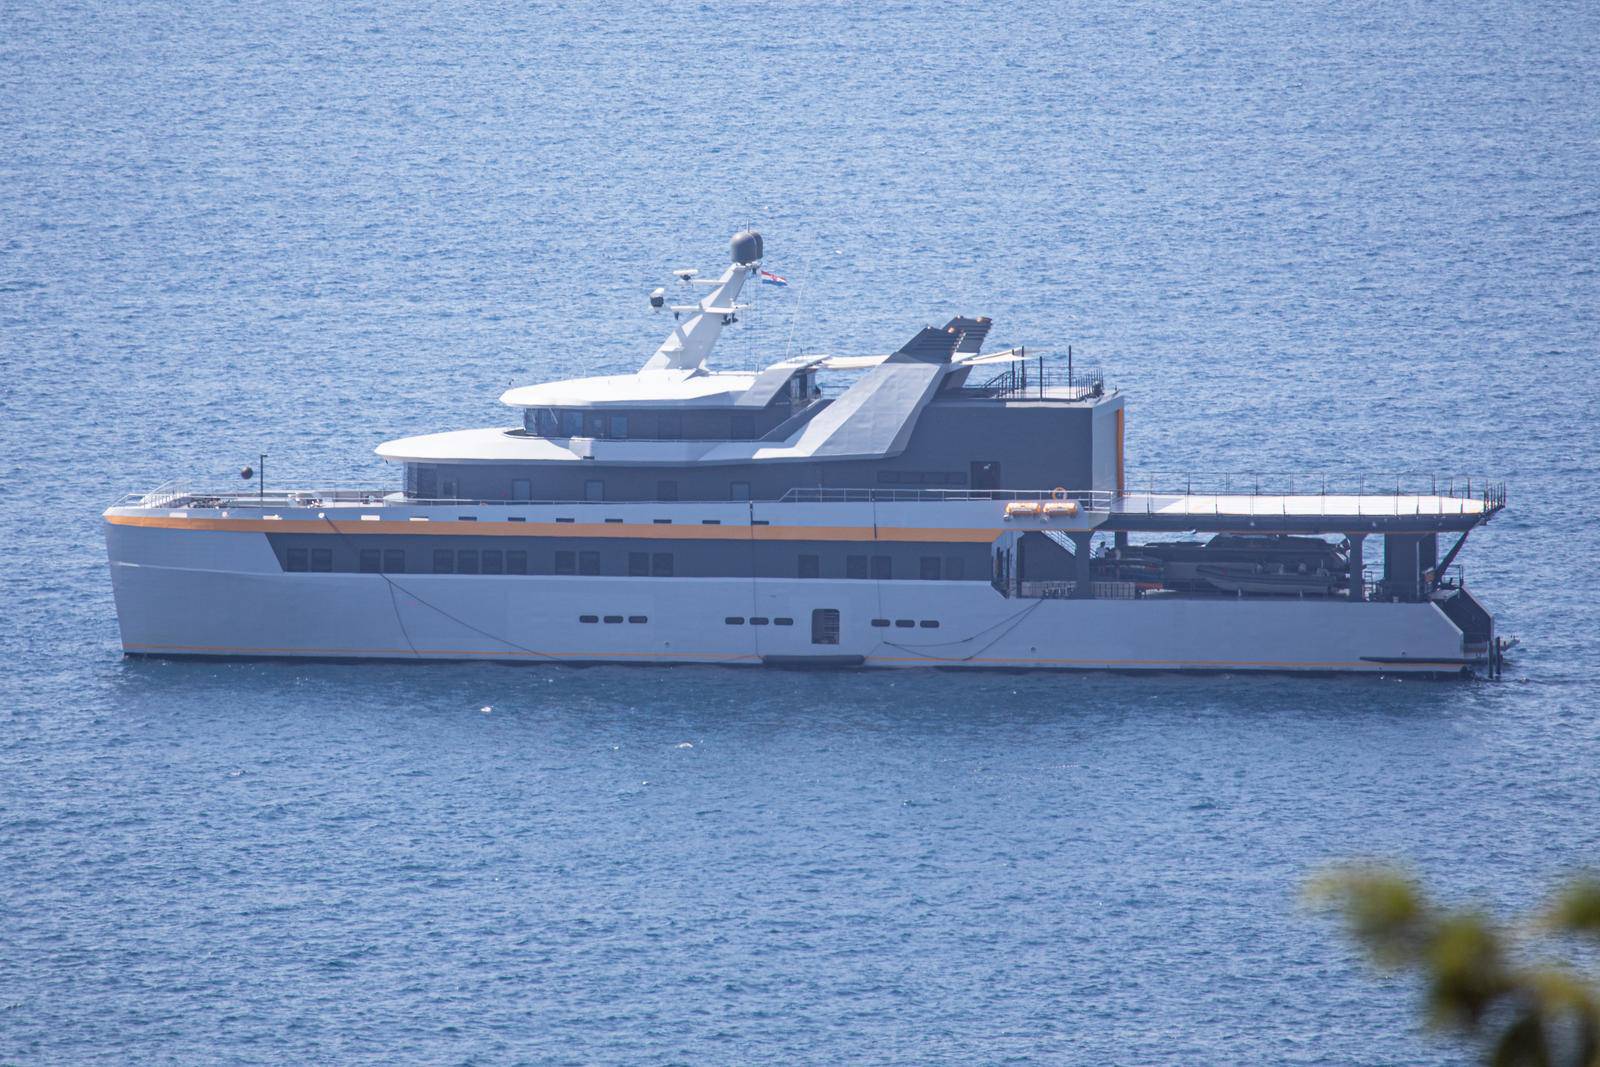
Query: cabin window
(638, 620)
(905, 624)
(783, 620)
(467, 561)
(638, 564)
(588, 563)
(322, 560)
(930, 568)
(594, 490)
(594, 424)
(929, 624)
(744, 427)
(370, 560)
(588, 618)
(299, 559)
(661, 564)
(571, 424)
(880, 623)
(810, 566)
(738, 490)
(825, 626)
(666, 490)
(447, 488)
(427, 481)
(521, 489)
(517, 562)
(394, 560)
(613, 620)
(444, 561)
(882, 568)
(494, 561)
(759, 620)
(566, 563)
(670, 426)
(855, 567)
(734, 620)
(619, 426)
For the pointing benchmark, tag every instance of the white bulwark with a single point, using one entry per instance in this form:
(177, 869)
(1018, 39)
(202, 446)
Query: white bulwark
(943, 508)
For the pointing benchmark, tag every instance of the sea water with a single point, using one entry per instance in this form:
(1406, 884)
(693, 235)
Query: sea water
(1308, 238)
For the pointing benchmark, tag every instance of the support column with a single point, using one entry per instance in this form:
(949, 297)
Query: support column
(1084, 587)
(1358, 585)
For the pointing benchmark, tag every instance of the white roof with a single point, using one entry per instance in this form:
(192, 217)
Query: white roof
(668, 387)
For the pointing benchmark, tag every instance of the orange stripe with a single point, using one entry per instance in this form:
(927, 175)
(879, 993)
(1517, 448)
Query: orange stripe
(625, 531)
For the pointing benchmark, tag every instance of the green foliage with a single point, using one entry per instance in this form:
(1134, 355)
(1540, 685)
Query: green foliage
(1523, 1016)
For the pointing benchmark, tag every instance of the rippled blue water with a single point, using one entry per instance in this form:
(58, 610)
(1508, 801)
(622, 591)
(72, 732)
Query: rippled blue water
(1302, 237)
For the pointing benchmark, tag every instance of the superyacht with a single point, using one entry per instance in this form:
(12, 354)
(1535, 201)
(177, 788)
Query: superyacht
(943, 507)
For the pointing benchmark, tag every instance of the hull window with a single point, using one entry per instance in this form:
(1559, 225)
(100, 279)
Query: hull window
(825, 626)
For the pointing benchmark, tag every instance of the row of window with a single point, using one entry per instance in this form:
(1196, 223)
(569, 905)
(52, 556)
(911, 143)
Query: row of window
(637, 620)
(881, 568)
(907, 624)
(663, 426)
(758, 620)
(921, 478)
(588, 562)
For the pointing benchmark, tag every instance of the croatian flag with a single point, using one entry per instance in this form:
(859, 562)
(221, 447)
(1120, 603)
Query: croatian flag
(769, 278)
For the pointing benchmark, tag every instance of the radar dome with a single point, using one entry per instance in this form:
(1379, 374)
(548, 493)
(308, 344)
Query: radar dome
(746, 246)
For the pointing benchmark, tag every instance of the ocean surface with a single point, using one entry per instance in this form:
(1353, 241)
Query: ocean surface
(1302, 238)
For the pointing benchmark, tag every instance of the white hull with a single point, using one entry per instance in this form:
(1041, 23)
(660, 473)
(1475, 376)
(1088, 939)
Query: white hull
(222, 594)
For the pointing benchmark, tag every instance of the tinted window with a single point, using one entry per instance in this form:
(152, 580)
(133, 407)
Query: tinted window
(670, 426)
(588, 563)
(881, 568)
(739, 491)
(370, 558)
(494, 561)
(394, 560)
(594, 490)
(566, 563)
(880, 623)
(666, 490)
(810, 567)
(661, 564)
(467, 561)
(549, 425)
(637, 619)
(855, 567)
(734, 620)
(930, 568)
(905, 624)
(929, 624)
(594, 424)
(298, 559)
(571, 424)
(521, 489)
(782, 621)
(516, 562)
(638, 564)
(588, 618)
(759, 620)
(619, 426)
(444, 561)
(825, 626)
(613, 619)
(322, 559)
(744, 427)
